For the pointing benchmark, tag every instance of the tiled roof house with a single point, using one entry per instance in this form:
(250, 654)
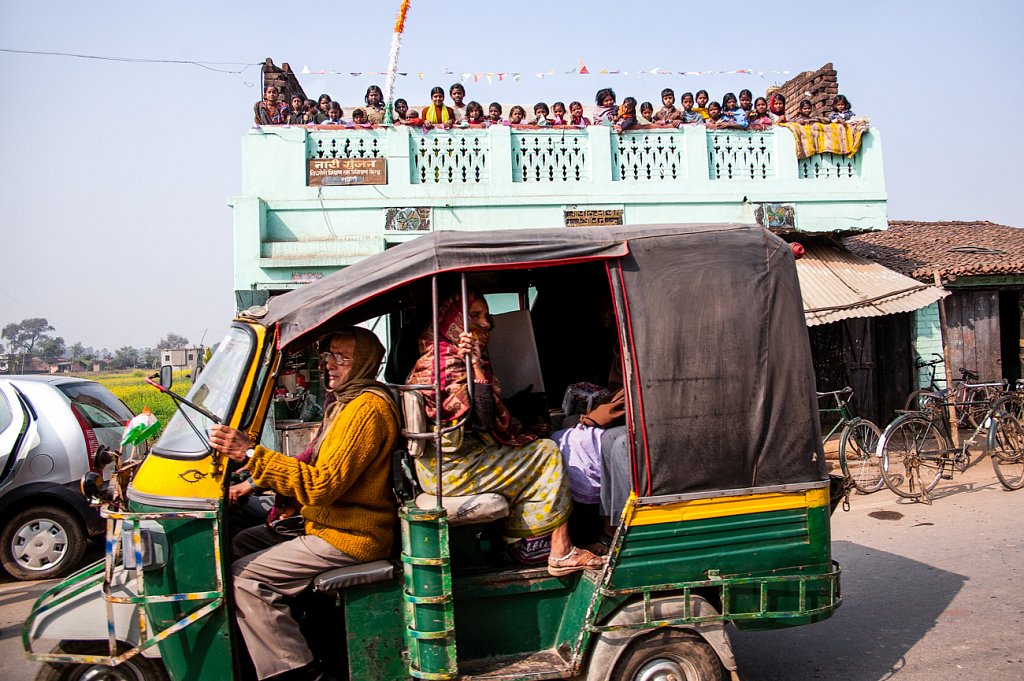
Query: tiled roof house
(955, 249)
(982, 264)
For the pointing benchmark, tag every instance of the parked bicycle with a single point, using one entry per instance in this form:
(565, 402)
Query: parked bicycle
(916, 450)
(970, 398)
(1007, 451)
(858, 439)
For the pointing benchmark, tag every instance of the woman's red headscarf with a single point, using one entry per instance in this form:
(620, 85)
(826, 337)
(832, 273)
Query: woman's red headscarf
(455, 401)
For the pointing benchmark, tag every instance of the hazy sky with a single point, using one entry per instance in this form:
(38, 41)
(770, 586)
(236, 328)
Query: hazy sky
(115, 176)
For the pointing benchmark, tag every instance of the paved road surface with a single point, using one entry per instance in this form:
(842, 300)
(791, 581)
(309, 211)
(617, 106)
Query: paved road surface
(935, 593)
(930, 592)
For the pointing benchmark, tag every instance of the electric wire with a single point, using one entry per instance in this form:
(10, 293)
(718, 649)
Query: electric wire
(208, 65)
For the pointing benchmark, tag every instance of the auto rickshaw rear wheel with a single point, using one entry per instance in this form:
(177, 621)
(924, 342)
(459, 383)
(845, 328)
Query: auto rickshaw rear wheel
(668, 655)
(138, 668)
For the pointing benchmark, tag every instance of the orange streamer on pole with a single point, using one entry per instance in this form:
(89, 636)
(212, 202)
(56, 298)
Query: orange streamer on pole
(400, 22)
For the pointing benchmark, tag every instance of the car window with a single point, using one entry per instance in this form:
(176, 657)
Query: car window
(97, 405)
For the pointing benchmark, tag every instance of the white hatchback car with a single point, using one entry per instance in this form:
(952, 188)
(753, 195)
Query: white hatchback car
(50, 429)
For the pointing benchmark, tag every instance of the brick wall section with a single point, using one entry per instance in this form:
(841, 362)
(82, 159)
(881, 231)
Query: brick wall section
(928, 340)
(283, 78)
(822, 85)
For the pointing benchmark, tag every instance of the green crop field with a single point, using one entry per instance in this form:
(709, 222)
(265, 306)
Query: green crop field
(132, 389)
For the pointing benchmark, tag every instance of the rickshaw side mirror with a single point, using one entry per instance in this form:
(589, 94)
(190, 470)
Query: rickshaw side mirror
(166, 376)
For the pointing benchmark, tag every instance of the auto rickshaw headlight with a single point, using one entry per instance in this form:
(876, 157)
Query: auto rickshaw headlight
(152, 546)
(93, 485)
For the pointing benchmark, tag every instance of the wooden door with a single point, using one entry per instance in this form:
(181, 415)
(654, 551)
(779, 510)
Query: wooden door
(972, 333)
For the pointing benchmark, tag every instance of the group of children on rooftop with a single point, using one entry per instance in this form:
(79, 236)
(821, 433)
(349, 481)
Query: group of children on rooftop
(743, 112)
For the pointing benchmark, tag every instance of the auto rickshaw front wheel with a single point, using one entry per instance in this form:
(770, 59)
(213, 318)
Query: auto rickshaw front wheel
(668, 655)
(137, 668)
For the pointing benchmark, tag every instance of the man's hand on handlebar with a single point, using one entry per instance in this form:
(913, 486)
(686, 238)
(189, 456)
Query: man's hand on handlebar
(229, 442)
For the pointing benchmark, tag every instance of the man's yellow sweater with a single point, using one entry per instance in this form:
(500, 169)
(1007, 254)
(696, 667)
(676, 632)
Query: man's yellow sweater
(346, 497)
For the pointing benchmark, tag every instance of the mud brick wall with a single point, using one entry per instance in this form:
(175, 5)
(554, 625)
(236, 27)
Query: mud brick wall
(283, 79)
(822, 85)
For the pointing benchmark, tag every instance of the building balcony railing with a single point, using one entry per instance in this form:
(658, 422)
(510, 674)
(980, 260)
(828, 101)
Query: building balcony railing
(557, 155)
(315, 199)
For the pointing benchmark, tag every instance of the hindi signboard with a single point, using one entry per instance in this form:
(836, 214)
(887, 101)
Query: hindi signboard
(336, 172)
(593, 217)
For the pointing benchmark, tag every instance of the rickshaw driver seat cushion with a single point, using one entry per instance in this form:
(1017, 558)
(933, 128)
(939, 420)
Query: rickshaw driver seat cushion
(468, 510)
(354, 575)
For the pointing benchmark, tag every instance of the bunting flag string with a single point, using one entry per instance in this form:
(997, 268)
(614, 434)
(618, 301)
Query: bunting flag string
(516, 76)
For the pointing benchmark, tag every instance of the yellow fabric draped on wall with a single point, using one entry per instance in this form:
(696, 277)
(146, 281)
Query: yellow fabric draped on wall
(821, 138)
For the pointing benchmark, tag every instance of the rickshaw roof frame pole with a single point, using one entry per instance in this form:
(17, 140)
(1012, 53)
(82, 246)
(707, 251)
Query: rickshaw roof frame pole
(437, 393)
(438, 430)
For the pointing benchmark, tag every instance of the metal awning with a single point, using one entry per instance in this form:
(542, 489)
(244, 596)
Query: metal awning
(836, 284)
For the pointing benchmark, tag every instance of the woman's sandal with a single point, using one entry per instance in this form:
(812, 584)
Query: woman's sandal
(576, 560)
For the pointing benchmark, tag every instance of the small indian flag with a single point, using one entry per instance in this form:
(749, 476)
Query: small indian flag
(140, 428)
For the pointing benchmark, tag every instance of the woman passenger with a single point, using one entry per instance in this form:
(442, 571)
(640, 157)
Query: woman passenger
(496, 455)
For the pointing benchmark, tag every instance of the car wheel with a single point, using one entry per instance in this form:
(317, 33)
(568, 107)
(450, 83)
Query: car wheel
(41, 543)
(137, 668)
(669, 654)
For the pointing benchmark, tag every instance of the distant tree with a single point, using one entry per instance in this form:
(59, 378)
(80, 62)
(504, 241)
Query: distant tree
(52, 347)
(149, 358)
(25, 335)
(77, 351)
(126, 357)
(171, 341)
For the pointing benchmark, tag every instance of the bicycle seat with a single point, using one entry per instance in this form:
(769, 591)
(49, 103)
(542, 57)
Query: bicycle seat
(968, 375)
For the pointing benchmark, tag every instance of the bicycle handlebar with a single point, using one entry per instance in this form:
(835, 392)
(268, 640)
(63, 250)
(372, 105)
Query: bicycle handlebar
(921, 363)
(968, 375)
(835, 393)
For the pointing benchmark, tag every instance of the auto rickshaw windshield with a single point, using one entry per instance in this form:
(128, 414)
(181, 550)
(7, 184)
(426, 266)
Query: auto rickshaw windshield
(214, 390)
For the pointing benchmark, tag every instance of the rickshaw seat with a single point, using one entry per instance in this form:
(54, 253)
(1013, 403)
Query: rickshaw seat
(468, 510)
(354, 575)
(462, 510)
(415, 419)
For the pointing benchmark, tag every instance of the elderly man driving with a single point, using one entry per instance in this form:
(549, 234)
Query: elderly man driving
(345, 497)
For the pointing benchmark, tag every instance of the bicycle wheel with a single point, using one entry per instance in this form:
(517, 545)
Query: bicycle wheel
(857, 456)
(912, 449)
(1012, 404)
(1006, 447)
(979, 402)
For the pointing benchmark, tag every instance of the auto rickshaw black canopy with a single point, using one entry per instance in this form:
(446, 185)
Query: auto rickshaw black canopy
(721, 389)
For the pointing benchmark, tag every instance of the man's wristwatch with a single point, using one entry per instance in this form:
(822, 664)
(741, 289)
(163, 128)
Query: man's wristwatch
(249, 452)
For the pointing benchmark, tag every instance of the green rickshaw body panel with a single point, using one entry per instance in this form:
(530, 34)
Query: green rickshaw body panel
(202, 650)
(374, 628)
(726, 554)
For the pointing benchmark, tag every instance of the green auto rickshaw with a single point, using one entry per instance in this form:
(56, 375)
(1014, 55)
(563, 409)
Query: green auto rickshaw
(727, 519)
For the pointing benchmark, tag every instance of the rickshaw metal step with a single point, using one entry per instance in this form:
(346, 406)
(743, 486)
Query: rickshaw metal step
(545, 664)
